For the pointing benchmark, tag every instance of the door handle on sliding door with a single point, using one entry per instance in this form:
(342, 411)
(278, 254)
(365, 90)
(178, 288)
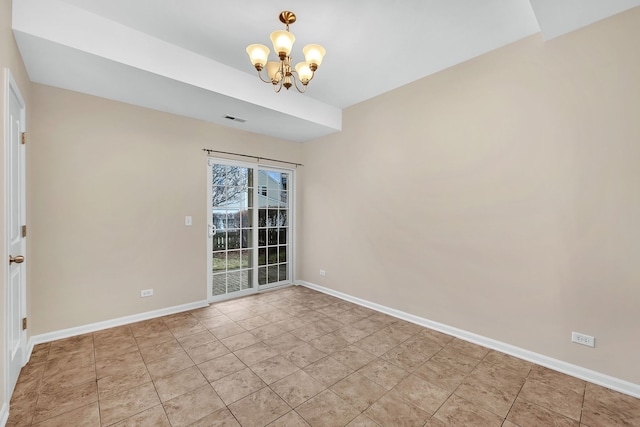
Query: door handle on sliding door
(212, 230)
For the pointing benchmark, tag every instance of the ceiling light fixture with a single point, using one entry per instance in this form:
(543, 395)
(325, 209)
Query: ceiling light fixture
(280, 72)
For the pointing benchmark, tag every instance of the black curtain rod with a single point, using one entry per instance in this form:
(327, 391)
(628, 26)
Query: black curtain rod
(258, 158)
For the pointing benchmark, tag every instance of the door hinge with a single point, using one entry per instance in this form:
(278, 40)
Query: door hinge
(24, 323)
(24, 138)
(24, 231)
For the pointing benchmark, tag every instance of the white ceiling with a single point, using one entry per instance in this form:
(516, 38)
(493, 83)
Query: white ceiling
(188, 57)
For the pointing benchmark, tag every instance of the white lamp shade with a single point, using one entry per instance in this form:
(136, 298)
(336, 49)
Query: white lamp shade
(304, 72)
(313, 54)
(258, 54)
(272, 71)
(282, 41)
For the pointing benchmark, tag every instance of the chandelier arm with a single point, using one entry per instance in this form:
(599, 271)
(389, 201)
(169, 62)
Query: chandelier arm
(313, 74)
(280, 73)
(278, 87)
(295, 82)
(260, 75)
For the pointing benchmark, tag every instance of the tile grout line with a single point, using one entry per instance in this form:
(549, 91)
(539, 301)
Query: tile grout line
(150, 377)
(95, 368)
(39, 383)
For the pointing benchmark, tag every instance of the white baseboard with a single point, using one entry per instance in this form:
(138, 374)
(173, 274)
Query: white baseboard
(613, 383)
(93, 327)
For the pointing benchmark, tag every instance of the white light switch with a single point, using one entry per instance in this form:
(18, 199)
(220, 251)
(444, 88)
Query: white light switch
(187, 220)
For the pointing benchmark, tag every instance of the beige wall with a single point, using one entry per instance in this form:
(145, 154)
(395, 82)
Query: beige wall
(111, 185)
(500, 197)
(9, 58)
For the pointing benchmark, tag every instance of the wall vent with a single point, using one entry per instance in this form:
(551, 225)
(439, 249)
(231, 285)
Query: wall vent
(235, 119)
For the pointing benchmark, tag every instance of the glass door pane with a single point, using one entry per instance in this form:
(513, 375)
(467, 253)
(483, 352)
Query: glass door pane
(274, 239)
(231, 230)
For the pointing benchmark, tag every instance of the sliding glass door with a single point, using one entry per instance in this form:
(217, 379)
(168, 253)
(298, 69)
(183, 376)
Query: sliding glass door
(249, 237)
(273, 227)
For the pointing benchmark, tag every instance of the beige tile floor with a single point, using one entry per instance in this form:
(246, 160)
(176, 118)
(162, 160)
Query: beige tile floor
(296, 357)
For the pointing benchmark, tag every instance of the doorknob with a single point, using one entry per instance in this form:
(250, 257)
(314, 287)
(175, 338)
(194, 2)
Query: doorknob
(17, 259)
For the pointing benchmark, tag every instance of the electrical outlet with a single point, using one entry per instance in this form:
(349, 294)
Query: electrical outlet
(323, 273)
(583, 339)
(146, 293)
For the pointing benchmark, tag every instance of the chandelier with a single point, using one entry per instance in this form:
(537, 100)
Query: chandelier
(280, 73)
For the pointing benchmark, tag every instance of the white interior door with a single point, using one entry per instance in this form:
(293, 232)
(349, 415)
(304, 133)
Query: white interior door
(15, 219)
